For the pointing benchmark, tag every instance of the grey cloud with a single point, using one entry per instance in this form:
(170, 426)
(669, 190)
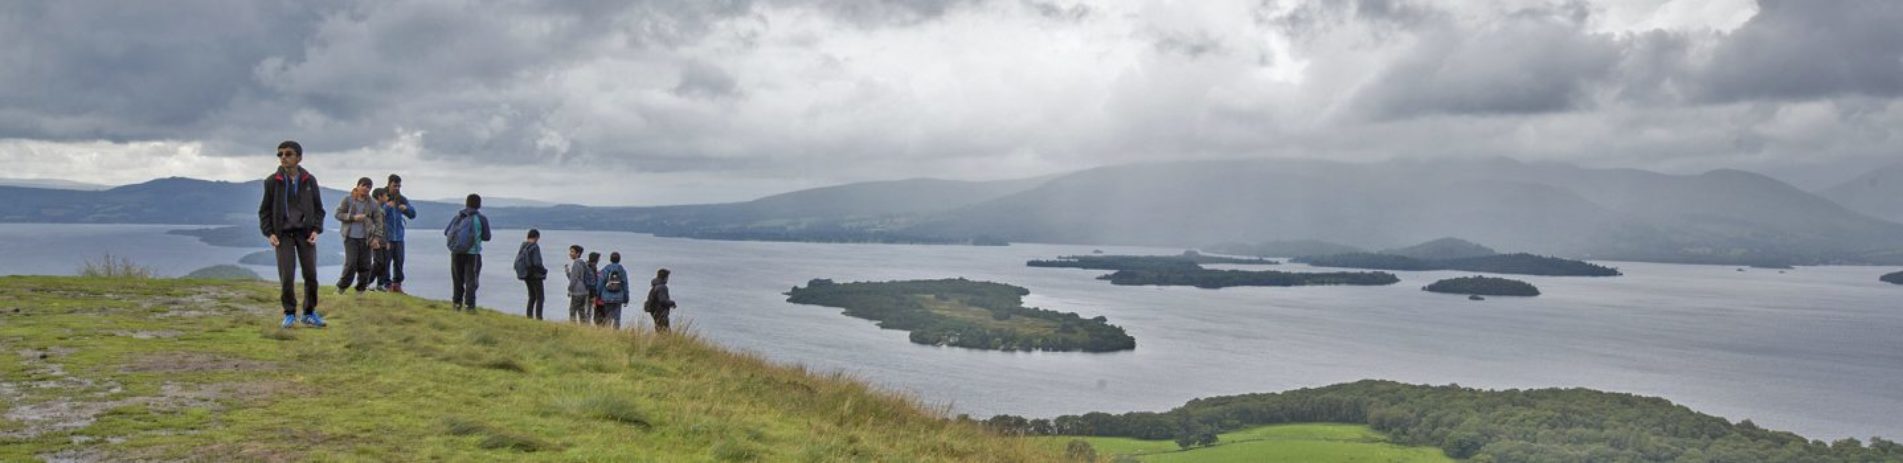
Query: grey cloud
(1525, 64)
(1385, 18)
(703, 80)
(1189, 44)
(1056, 12)
(1811, 49)
(139, 70)
(519, 83)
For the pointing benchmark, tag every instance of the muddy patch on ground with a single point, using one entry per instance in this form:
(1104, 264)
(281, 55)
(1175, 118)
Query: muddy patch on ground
(148, 334)
(186, 362)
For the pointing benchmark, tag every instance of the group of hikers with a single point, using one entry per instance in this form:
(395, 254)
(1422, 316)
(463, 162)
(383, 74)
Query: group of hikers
(291, 216)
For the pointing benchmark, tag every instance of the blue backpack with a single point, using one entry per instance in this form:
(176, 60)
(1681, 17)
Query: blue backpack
(463, 233)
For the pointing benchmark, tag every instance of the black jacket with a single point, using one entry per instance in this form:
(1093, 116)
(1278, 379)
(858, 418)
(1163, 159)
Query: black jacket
(658, 298)
(280, 210)
(528, 262)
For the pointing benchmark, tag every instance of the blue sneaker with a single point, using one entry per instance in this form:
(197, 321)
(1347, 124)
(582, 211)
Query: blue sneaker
(314, 320)
(288, 321)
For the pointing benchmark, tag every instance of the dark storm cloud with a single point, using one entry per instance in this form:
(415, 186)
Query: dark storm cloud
(476, 77)
(1530, 61)
(951, 87)
(1811, 49)
(1544, 59)
(92, 70)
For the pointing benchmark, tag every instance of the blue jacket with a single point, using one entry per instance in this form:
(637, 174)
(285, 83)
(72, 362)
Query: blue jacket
(393, 221)
(613, 272)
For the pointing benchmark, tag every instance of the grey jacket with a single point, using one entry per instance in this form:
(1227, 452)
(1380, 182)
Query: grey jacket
(578, 284)
(347, 211)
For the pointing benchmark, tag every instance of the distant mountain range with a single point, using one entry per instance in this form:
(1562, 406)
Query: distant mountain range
(51, 184)
(1877, 194)
(1720, 217)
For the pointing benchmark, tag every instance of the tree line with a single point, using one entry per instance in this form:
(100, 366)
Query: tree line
(1546, 425)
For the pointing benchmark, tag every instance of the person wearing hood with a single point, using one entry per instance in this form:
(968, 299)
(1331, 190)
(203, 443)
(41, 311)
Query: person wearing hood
(613, 290)
(291, 216)
(659, 302)
(465, 235)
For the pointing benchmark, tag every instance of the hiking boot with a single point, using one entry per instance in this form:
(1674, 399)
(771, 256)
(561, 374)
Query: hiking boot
(396, 288)
(313, 320)
(340, 290)
(288, 321)
(457, 307)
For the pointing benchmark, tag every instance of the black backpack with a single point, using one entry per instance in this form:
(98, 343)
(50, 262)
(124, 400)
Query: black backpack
(616, 281)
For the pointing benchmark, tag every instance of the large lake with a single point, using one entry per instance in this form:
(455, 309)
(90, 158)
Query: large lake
(1817, 350)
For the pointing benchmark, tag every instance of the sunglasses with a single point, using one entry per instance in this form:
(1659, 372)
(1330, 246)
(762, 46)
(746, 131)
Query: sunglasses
(286, 153)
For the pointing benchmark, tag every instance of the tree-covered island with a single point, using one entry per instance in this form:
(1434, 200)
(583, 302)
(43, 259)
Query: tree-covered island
(965, 313)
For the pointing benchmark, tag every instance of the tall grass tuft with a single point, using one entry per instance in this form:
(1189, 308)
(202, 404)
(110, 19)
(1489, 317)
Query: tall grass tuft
(495, 439)
(114, 267)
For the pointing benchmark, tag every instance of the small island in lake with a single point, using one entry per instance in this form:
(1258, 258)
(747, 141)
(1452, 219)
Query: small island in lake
(965, 313)
(1896, 278)
(1483, 286)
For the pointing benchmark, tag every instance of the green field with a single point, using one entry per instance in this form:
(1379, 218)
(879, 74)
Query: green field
(1321, 443)
(188, 370)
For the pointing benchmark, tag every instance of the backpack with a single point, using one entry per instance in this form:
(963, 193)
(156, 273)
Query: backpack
(615, 284)
(463, 233)
(522, 270)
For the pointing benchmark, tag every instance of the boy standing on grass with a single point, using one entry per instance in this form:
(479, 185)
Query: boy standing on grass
(579, 307)
(380, 240)
(398, 213)
(659, 302)
(291, 216)
(529, 269)
(614, 289)
(357, 212)
(465, 235)
(596, 310)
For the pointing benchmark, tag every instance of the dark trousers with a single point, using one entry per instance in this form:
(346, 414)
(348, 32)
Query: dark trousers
(357, 263)
(294, 252)
(380, 267)
(465, 272)
(581, 309)
(660, 319)
(394, 274)
(537, 298)
(610, 314)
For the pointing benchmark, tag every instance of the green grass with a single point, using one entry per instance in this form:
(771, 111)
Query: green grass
(1321, 443)
(154, 369)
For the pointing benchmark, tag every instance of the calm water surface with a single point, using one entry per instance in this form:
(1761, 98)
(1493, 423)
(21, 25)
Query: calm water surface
(1818, 350)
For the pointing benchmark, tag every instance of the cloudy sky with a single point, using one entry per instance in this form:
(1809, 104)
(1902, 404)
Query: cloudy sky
(687, 101)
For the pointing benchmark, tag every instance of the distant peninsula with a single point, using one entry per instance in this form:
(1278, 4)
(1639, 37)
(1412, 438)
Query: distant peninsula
(1187, 269)
(1483, 286)
(1514, 264)
(1216, 279)
(1893, 278)
(965, 313)
(1188, 259)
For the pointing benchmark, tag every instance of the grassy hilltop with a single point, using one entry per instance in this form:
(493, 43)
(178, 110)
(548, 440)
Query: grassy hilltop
(150, 369)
